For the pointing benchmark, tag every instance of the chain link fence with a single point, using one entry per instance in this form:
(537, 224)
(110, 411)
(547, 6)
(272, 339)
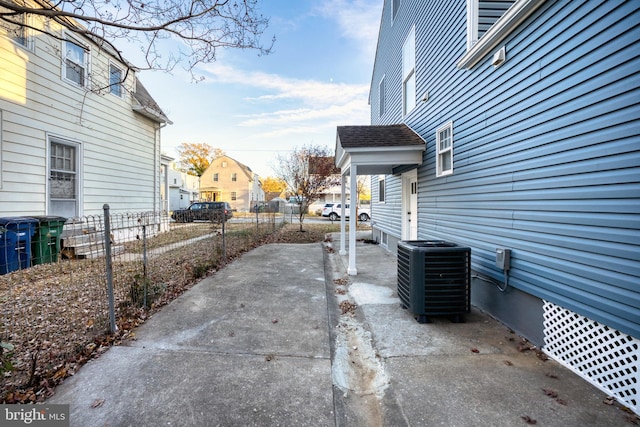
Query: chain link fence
(70, 288)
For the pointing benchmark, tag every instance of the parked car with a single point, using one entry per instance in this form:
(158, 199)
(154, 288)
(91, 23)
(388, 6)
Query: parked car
(327, 209)
(204, 211)
(335, 211)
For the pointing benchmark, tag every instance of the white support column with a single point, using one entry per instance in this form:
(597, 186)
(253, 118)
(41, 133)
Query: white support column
(353, 221)
(343, 226)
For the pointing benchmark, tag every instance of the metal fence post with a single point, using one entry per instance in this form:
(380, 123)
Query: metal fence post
(224, 241)
(144, 264)
(109, 267)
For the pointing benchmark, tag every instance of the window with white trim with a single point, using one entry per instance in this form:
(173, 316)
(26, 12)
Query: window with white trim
(215, 177)
(76, 63)
(444, 150)
(234, 177)
(381, 189)
(14, 27)
(395, 5)
(381, 97)
(481, 15)
(409, 72)
(115, 80)
(234, 196)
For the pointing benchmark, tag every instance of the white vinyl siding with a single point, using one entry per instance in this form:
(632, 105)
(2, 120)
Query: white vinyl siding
(409, 73)
(119, 156)
(444, 150)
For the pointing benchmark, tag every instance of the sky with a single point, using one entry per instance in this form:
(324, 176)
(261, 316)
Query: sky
(258, 107)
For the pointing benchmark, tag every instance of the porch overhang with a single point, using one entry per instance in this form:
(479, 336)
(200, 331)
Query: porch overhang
(371, 150)
(377, 149)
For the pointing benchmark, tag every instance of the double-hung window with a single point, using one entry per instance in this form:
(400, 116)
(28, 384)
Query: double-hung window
(15, 28)
(444, 150)
(234, 177)
(215, 177)
(381, 97)
(115, 80)
(76, 63)
(409, 72)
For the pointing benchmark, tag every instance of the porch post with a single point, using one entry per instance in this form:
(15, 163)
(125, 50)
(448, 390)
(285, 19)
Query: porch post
(343, 227)
(353, 221)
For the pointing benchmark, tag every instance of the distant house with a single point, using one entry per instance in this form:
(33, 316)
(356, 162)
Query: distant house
(179, 189)
(517, 128)
(72, 136)
(228, 180)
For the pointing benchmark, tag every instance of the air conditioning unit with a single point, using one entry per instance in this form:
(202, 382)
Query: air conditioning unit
(434, 279)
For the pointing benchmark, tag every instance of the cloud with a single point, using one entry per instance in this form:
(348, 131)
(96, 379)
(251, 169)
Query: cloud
(358, 20)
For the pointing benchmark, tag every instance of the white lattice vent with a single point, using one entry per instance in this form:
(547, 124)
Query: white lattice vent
(607, 358)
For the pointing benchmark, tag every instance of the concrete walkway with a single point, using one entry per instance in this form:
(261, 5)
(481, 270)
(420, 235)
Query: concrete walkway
(283, 337)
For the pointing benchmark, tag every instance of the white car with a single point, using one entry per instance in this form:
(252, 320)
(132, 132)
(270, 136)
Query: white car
(334, 212)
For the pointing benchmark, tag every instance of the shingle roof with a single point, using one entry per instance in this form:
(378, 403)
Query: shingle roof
(148, 106)
(378, 136)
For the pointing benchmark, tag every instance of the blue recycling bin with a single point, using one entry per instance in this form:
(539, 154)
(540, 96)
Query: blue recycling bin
(16, 242)
(8, 254)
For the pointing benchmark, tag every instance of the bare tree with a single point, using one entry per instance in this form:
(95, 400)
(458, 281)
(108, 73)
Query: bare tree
(170, 32)
(308, 172)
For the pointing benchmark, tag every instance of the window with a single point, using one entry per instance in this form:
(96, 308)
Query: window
(395, 5)
(76, 63)
(381, 96)
(115, 80)
(63, 171)
(215, 177)
(409, 72)
(16, 29)
(234, 195)
(444, 149)
(481, 15)
(489, 23)
(381, 188)
(234, 177)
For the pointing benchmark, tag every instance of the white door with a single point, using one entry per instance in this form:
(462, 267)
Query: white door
(63, 179)
(410, 206)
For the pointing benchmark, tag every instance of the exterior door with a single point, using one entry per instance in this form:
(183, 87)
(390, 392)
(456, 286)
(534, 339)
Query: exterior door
(63, 186)
(410, 206)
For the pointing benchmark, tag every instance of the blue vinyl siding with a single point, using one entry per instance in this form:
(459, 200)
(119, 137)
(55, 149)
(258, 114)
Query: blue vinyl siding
(546, 148)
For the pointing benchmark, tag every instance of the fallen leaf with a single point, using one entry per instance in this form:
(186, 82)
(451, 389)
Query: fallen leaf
(529, 420)
(561, 401)
(97, 403)
(550, 392)
(475, 350)
(507, 362)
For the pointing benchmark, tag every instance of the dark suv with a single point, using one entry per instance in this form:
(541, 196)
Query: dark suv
(203, 211)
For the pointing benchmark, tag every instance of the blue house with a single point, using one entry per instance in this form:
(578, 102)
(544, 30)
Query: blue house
(529, 117)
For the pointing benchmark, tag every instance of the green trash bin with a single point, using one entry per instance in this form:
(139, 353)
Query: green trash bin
(45, 244)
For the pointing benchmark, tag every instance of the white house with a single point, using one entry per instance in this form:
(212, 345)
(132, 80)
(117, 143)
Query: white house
(77, 128)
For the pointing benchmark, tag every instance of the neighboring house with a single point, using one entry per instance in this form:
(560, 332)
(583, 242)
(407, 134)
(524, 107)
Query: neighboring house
(72, 137)
(179, 189)
(230, 181)
(530, 126)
